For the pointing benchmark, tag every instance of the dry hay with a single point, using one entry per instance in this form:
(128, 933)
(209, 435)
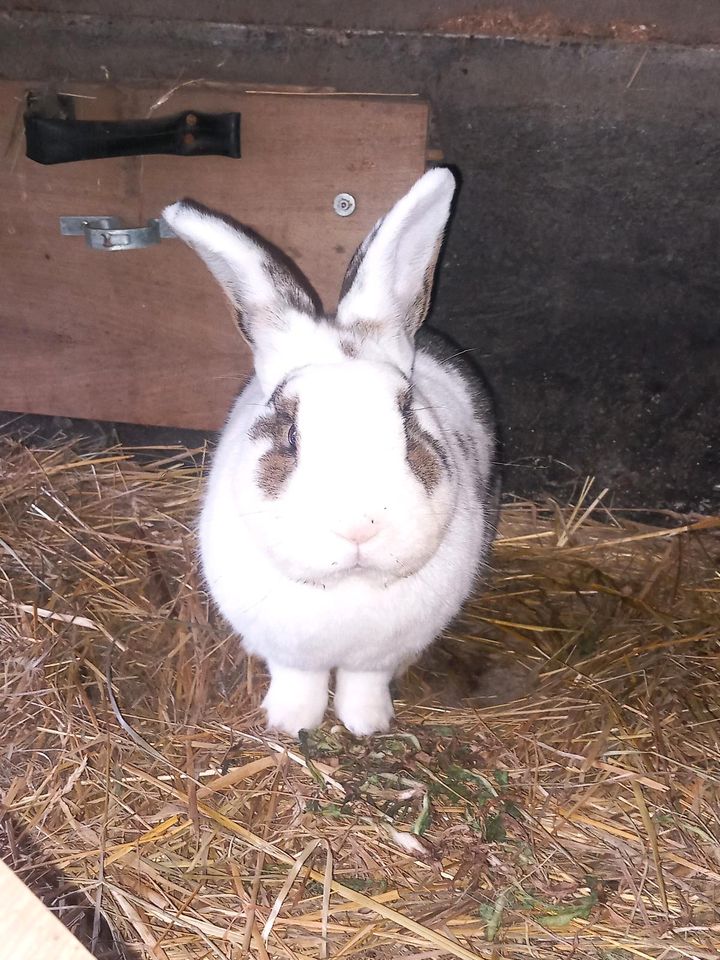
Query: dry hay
(580, 819)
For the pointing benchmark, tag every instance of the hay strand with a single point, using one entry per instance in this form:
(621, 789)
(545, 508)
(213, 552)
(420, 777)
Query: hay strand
(551, 787)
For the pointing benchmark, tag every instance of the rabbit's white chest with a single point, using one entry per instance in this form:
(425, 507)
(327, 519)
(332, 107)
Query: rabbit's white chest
(355, 625)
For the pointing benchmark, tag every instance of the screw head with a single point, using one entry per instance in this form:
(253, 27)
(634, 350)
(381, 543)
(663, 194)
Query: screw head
(344, 204)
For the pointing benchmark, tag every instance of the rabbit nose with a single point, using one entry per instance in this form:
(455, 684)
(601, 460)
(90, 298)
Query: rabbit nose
(359, 532)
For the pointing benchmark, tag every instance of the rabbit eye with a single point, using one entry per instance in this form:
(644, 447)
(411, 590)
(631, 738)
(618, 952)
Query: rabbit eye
(292, 437)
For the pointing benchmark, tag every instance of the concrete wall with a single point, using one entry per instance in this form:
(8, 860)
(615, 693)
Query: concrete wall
(582, 267)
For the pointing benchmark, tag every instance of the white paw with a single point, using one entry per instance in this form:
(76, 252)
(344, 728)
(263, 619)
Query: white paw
(291, 718)
(363, 702)
(296, 700)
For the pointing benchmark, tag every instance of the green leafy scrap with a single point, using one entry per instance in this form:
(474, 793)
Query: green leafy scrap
(551, 915)
(334, 810)
(424, 818)
(564, 914)
(361, 885)
(441, 729)
(494, 829)
(319, 743)
(501, 777)
(468, 785)
(398, 744)
(495, 918)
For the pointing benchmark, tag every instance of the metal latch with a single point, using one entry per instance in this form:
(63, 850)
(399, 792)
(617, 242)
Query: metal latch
(108, 233)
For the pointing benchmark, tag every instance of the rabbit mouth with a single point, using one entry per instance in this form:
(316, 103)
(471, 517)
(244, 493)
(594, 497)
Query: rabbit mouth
(362, 569)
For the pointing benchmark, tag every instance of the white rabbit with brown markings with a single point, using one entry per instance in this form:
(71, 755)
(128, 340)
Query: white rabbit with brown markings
(352, 499)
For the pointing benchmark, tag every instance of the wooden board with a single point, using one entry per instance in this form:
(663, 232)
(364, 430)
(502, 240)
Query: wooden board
(28, 931)
(145, 336)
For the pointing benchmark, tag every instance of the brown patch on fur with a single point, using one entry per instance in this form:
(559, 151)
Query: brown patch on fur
(242, 325)
(356, 261)
(423, 453)
(289, 293)
(354, 337)
(362, 329)
(464, 442)
(278, 462)
(421, 304)
(289, 288)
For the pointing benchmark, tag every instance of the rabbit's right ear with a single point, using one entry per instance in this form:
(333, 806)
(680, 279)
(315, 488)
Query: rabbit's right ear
(259, 281)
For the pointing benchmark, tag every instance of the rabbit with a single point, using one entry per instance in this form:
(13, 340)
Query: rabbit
(352, 498)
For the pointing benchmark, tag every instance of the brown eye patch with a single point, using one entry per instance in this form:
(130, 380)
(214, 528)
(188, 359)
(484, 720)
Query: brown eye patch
(278, 426)
(423, 453)
(354, 338)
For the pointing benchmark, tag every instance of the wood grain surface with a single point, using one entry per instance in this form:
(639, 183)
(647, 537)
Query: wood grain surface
(145, 336)
(28, 930)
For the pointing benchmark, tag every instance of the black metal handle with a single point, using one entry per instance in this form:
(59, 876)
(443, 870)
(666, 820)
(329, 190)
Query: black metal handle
(189, 134)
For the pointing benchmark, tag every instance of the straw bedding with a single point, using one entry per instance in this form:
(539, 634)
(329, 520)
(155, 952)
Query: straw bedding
(551, 786)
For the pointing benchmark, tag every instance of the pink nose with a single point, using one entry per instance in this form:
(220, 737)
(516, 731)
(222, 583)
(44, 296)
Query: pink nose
(359, 532)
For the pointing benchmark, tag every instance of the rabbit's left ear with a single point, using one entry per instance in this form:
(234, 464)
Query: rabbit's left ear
(390, 278)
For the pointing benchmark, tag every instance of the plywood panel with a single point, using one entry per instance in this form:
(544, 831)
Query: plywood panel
(144, 336)
(28, 931)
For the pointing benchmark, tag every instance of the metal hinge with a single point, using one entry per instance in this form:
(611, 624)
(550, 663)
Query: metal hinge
(108, 233)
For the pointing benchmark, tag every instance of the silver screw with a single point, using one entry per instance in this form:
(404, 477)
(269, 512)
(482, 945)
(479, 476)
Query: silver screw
(344, 204)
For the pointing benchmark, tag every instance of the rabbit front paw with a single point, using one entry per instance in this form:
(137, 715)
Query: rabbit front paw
(362, 701)
(296, 699)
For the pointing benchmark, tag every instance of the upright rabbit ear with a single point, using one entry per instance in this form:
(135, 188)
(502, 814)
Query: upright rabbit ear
(389, 281)
(260, 282)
